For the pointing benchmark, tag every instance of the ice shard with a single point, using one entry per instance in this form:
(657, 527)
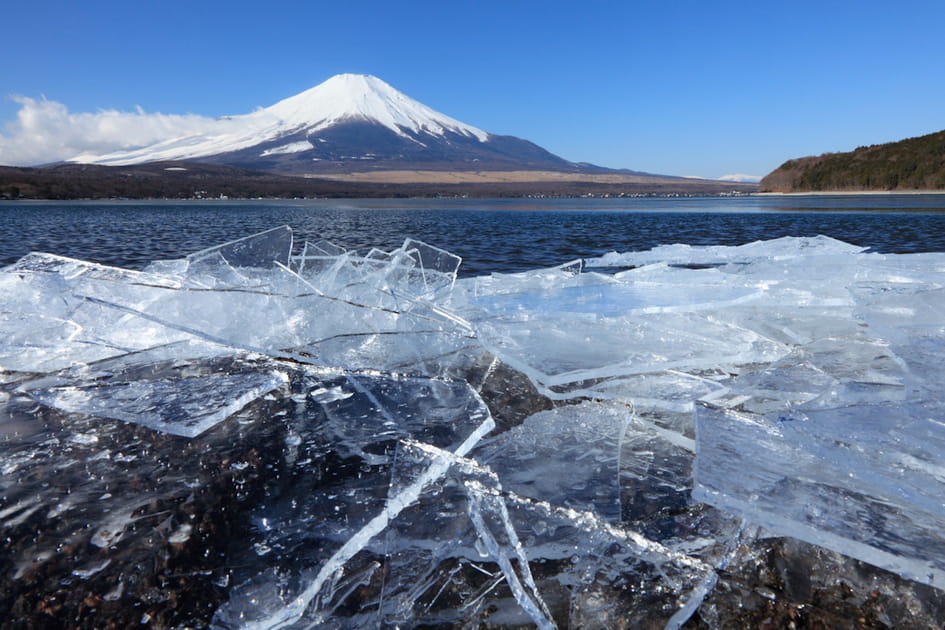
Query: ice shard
(337, 500)
(258, 251)
(842, 438)
(825, 495)
(464, 551)
(568, 456)
(559, 564)
(177, 397)
(567, 340)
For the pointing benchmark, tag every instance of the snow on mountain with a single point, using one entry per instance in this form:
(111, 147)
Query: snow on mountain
(342, 99)
(356, 96)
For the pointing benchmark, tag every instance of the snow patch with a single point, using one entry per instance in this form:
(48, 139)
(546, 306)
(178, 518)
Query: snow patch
(292, 147)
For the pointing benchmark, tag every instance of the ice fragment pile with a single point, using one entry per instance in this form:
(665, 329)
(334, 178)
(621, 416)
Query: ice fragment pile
(307, 436)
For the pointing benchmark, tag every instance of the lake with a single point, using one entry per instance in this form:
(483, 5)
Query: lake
(492, 235)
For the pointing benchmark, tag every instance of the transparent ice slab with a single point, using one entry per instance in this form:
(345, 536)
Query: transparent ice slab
(62, 312)
(752, 465)
(578, 334)
(53, 317)
(788, 247)
(533, 543)
(563, 354)
(629, 469)
(177, 397)
(610, 299)
(337, 498)
(569, 456)
(261, 251)
(838, 443)
(415, 269)
(465, 552)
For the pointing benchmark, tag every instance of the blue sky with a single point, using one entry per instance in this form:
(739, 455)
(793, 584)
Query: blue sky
(684, 88)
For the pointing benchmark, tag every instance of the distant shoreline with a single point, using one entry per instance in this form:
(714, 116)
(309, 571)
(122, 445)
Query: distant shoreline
(190, 180)
(848, 193)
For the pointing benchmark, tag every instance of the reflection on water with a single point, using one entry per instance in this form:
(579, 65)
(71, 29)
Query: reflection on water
(491, 235)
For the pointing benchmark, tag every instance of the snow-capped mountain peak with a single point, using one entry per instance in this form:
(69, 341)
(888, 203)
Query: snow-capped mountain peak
(344, 98)
(349, 123)
(359, 96)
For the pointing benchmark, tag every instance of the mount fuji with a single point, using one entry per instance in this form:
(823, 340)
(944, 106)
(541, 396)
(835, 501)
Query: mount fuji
(348, 123)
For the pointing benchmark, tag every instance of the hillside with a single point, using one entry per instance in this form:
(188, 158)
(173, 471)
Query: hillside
(911, 164)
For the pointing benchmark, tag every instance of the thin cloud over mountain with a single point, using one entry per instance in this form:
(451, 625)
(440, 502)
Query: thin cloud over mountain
(46, 131)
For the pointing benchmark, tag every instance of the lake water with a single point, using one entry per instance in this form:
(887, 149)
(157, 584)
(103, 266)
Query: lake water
(491, 235)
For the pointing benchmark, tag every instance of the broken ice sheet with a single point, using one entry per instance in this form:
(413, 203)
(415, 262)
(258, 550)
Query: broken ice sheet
(910, 316)
(563, 354)
(839, 443)
(846, 479)
(785, 248)
(50, 323)
(571, 334)
(391, 279)
(601, 296)
(100, 509)
(605, 459)
(63, 312)
(656, 482)
(467, 553)
(336, 497)
(435, 269)
(470, 564)
(320, 259)
(833, 341)
(178, 397)
(261, 250)
(568, 456)
(892, 449)
(409, 348)
(669, 390)
(38, 343)
(268, 319)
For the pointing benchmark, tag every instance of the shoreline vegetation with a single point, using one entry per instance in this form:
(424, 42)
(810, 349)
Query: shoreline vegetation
(192, 180)
(913, 165)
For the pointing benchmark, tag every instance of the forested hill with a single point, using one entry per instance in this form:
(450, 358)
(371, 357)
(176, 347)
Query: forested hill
(911, 164)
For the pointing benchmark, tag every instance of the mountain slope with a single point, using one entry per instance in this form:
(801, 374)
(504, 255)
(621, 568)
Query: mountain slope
(911, 164)
(349, 122)
(364, 145)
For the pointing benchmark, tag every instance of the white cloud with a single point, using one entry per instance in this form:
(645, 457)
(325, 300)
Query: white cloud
(46, 131)
(741, 177)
